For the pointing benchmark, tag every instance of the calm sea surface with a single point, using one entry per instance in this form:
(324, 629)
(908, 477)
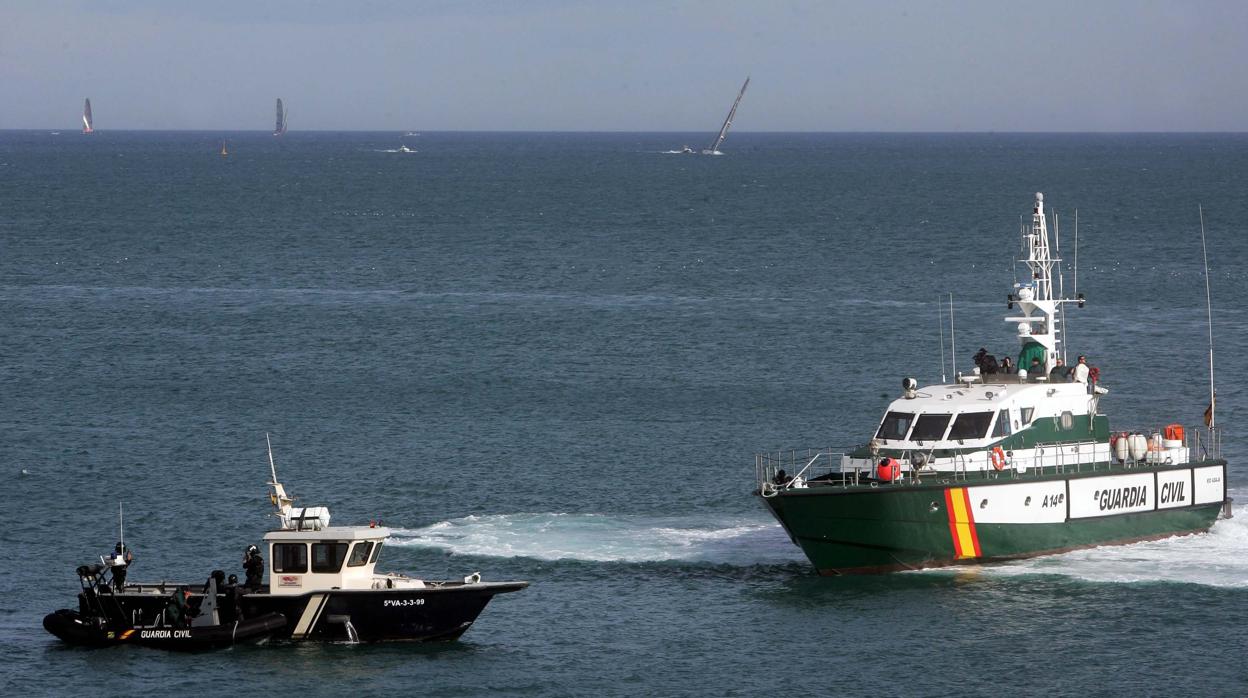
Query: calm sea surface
(552, 357)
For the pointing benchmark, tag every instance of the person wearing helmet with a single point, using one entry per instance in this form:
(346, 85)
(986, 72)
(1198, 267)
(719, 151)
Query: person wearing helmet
(253, 565)
(119, 563)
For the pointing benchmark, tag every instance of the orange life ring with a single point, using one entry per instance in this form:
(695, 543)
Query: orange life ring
(998, 458)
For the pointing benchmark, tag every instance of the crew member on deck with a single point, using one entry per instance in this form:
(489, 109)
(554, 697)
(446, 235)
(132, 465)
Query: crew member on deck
(1059, 374)
(253, 564)
(1036, 370)
(119, 563)
(1080, 372)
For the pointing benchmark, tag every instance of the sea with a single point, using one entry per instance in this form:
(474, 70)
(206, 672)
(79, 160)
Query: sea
(553, 357)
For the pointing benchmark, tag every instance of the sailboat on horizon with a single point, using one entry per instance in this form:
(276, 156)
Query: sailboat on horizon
(280, 128)
(87, 120)
(723, 130)
(224, 152)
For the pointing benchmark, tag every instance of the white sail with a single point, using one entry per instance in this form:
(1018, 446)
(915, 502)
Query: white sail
(723, 131)
(87, 121)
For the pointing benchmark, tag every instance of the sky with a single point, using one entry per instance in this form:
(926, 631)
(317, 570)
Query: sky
(637, 65)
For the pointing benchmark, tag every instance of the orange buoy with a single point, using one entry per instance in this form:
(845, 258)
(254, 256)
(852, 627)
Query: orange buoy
(998, 458)
(888, 470)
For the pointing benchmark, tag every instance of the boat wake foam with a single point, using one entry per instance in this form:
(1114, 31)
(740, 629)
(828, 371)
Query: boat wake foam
(608, 538)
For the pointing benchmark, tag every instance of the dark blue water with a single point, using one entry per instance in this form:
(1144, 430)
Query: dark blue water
(552, 357)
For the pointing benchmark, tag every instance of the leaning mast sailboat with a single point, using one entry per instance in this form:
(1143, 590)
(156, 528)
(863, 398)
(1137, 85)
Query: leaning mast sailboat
(87, 121)
(280, 127)
(723, 131)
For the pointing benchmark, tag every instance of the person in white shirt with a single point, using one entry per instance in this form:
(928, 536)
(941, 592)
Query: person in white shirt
(1080, 372)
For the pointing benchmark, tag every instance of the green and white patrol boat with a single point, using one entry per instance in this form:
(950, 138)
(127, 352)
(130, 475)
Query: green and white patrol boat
(997, 466)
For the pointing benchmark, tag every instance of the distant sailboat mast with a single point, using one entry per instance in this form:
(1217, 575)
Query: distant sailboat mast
(280, 127)
(87, 121)
(723, 131)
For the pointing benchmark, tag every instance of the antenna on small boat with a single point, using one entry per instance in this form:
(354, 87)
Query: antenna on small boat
(940, 324)
(1204, 251)
(121, 525)
(272, 468)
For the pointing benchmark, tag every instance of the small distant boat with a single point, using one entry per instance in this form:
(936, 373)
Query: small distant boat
(405, 149)
(412, 133)
(723, 131)
(224, 152)
(88, 123)
(280, 128)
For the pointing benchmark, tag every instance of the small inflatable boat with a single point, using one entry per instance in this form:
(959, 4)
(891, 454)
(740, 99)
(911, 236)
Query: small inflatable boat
(100, 621)
(71, 627)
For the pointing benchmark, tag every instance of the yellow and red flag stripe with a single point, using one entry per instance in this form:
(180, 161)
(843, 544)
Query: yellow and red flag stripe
(961, 523)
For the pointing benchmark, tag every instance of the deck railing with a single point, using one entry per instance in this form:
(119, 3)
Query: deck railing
(779, 470)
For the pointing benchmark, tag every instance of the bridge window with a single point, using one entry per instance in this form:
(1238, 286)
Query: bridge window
(1003, 424)
(930, 427)
(328, 557)
(376, 553)
(895, 425)
(971, 425)
(290, 557)
(359, 554)
(1027, 412)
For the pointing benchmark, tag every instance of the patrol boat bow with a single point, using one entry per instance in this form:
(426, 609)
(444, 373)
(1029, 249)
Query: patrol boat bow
(997, 466)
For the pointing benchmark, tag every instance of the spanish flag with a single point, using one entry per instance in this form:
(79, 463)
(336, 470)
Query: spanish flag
(1209, 410)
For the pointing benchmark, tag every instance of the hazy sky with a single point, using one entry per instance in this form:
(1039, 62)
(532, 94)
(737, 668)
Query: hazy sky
(636, 65)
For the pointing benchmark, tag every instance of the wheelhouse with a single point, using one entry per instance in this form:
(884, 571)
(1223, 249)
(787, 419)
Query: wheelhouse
(337, 557)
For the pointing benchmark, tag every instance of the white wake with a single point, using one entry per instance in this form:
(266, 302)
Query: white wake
(604, 538)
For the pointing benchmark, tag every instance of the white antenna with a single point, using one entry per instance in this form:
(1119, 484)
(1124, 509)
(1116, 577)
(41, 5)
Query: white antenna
(1059, 334)
(1209, 312)
(272, 467)
(121, 526)
(953, 341)
(940, 323)
(1076, 253)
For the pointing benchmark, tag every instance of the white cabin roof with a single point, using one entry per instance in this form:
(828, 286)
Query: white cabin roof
(342, 533)
(959, 397)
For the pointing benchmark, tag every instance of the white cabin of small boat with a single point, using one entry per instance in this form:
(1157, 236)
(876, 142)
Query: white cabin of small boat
(337, 557)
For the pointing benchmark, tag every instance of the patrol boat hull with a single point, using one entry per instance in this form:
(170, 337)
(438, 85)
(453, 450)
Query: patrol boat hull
(864, 528)
(438, 612)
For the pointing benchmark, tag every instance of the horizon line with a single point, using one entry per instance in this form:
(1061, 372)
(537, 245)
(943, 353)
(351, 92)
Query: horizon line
(74, 129)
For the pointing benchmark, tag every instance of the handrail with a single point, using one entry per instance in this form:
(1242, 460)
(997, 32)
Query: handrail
(1043, 459)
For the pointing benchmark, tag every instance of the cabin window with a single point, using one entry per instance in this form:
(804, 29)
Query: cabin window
(1067, 421)
(290, 557)
(376, 553)
(971, 425)
(359, 554)
(328, 557)
(1027, 413)
(930, 427)
(1003, 424)
(895, 425)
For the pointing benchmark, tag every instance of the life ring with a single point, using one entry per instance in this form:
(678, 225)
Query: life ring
(998, 458)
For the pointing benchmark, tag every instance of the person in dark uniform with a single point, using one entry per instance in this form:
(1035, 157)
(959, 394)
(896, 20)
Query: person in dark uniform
(1059, 374)
(253, 565)
(119, 564)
